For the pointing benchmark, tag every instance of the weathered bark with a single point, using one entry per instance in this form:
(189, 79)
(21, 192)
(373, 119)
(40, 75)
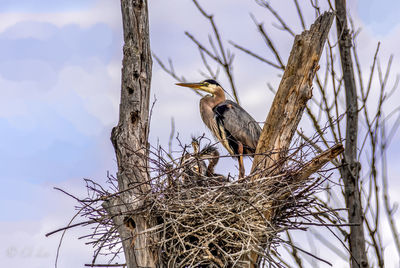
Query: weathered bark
(350, 169)
(302, 175)
(293, 93)
(290, 100)
(130, 136)
(319, 161)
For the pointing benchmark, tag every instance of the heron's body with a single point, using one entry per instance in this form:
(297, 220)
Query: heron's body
(195, 166)
(231, 124)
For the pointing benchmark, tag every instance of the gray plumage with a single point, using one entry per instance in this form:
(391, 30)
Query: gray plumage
(238, 126)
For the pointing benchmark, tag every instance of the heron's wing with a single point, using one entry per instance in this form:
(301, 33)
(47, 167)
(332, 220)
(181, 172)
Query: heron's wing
(239, 124)
(210, 120)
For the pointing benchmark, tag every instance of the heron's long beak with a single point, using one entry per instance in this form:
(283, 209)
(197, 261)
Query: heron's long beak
(192, 85)
(198, 86)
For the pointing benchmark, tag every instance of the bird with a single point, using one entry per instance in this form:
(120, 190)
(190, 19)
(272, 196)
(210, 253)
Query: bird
(237, 131)
(195, 168)
(211, 154)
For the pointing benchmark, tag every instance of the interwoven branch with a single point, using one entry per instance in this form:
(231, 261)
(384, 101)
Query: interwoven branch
(211, 221)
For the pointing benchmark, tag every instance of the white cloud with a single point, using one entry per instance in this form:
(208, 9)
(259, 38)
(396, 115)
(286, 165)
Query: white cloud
(104, 11)
(94, 89)
(76, 94)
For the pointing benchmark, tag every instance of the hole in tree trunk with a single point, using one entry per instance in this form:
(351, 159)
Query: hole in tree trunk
(134, 117)
(130, 223)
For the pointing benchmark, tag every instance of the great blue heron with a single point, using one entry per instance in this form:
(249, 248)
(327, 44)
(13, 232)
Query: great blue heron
(195, 167)
(209, 153)
(231, 124)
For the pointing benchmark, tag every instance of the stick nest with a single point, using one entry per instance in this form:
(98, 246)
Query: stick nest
(205, 220)
(221, 225)
(208, 221)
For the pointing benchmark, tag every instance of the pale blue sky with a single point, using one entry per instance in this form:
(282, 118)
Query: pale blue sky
(44, 5)
(59, 87)
(41, 144)
(381, 16)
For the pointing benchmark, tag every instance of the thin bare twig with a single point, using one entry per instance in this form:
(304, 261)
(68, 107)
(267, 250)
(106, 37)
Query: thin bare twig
(224, 57)
(268, 42)
(265, 4)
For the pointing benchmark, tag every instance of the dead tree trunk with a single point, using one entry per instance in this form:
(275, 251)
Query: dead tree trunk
(289, 103)
(350, 168)
(130, 136)
(293, 93)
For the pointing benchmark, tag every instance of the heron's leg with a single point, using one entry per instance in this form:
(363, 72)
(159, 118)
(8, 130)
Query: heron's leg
(241, 165)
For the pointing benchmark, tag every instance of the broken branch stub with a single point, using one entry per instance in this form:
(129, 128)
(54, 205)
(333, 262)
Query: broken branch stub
(319, 161)
(293, 93)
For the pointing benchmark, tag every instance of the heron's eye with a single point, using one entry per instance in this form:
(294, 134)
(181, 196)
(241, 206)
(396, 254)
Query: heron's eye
(206, 84)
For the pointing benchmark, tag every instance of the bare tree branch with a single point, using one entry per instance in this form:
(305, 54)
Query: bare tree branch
(265, 4)
(385, 193)
(300, 13)
(350, 170)
(249, 52)
(269, 42)
(225, 58)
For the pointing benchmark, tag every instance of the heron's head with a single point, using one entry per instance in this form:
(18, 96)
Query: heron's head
(210, 86)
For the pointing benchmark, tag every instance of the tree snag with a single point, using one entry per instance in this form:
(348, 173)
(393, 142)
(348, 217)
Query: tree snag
(350, 169)
(293, 93)
(295, 89)
(129, 137)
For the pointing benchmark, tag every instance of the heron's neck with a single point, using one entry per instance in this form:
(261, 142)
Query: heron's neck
(218, 97)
